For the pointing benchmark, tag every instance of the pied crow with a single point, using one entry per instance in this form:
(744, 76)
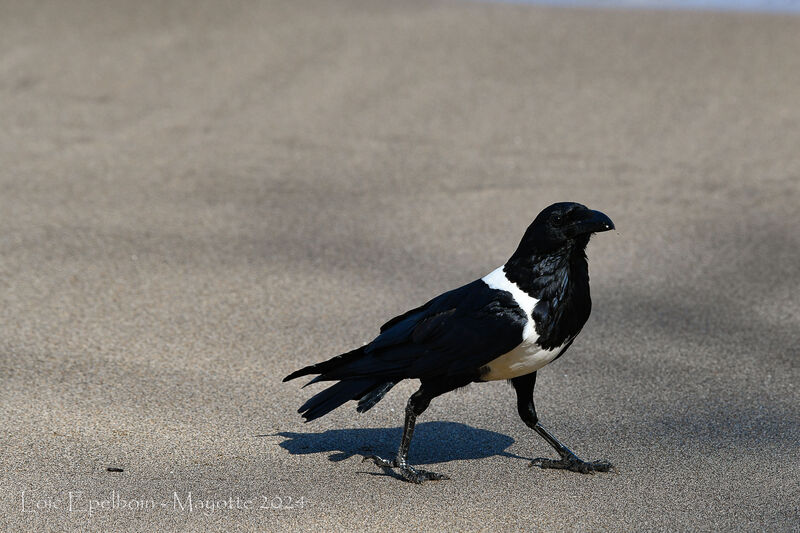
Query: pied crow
(506, 325)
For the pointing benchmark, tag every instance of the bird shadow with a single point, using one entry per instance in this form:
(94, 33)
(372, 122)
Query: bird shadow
(434, 442)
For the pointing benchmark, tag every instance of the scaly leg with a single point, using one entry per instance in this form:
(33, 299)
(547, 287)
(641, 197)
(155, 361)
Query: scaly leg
(417, 404)
(527, 411)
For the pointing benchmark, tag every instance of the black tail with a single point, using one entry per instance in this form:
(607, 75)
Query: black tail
(367, 391)
(368, 400)
(325, 366)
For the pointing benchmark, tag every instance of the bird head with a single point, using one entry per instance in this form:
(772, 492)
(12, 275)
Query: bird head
(565, 225)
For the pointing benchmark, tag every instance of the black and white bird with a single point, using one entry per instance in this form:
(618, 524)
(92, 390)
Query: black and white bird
(506, 325)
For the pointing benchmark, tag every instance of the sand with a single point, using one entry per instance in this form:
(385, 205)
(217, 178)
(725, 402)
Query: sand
(199, 198)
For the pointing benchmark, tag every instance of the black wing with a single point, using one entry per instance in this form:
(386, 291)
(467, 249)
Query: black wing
(455, 333)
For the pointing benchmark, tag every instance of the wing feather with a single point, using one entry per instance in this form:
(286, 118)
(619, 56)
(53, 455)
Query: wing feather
(455, 333)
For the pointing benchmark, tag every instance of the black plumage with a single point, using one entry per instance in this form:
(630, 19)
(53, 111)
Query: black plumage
(505, 325)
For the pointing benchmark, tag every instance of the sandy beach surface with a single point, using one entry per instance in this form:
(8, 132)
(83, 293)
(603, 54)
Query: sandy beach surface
(197, 198)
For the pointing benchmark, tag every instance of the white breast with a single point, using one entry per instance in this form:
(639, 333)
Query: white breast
(528, 356)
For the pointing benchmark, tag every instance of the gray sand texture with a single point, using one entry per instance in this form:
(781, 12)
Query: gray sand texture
(201, 197)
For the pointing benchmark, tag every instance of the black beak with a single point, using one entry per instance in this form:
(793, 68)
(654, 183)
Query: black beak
(595, 222)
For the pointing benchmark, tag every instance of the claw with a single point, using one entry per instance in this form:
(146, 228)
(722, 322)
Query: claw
(407, 472)
(573, 464)
(383, 463)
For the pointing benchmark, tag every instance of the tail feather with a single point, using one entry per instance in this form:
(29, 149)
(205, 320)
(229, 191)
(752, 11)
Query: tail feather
(326, 401)
(365, 389)
(325, 366)
(371, 397)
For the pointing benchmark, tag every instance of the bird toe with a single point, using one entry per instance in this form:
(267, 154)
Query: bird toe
(418, 476)
(379, 461)
(405, 471)
(573, 464)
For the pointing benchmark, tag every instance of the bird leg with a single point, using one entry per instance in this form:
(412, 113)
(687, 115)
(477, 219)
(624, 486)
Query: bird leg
(418, 402)
(527, 411)
(568, 461)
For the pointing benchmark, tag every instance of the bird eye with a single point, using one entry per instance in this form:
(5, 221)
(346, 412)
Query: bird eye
(556, 219)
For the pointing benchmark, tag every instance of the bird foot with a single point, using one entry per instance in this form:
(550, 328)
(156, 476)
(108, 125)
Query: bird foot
(574, 464)
(408, 472)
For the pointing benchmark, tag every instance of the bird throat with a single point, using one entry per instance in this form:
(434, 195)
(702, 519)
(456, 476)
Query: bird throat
(560, 282)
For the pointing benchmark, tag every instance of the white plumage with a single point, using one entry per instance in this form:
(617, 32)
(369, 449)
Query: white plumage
(528, 356)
